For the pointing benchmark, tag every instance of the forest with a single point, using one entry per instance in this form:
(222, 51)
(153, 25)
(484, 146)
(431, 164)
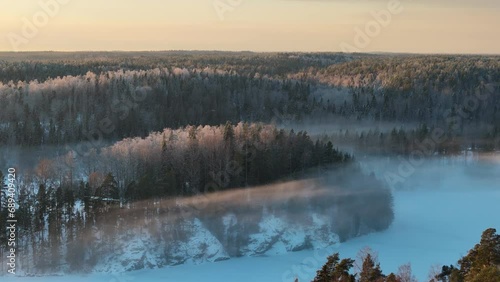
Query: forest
(59, 99)
(181, 145)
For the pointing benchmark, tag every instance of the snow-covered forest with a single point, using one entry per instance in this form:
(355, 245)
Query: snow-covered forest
(128, 161)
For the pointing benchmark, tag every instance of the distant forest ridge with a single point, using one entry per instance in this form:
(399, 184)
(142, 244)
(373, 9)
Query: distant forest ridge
(58, 98)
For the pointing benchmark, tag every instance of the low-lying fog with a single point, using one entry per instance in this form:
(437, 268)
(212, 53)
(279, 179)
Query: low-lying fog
(442, 205)
(441, 208)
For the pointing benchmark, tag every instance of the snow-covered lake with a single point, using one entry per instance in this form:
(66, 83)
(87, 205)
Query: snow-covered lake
(438, 220)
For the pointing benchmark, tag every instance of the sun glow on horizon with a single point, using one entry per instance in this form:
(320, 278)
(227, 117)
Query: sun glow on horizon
(257, 25)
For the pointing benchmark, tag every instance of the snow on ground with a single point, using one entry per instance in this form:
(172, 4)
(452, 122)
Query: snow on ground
(436, 223)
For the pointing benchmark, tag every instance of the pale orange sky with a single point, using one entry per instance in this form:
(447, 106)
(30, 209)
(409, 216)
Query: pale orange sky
(425, 26)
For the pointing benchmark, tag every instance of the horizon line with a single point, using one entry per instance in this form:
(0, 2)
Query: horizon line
(251, 51)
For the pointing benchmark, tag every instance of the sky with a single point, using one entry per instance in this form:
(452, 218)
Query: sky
(410, 26)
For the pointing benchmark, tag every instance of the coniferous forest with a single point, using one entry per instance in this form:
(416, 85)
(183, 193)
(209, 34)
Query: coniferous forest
(134, 160)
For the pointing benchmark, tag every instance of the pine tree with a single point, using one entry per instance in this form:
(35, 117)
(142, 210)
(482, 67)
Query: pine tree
(370, 272)
(328, 153)
(392, 278)
(449, 274)
(325, 274)
(341, 272)
(69, 201)
(41, 207)
(488, 273)
(75, 256)
(333, 270)
(484, 255)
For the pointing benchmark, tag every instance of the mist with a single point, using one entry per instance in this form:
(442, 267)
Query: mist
(324, 209)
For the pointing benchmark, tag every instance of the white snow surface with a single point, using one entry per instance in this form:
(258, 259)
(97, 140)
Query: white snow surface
(437, 221)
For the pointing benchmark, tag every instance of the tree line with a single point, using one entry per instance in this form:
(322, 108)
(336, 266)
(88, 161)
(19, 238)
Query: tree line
(76, 207)
(110, 106)
(481, 264)
(54, 98)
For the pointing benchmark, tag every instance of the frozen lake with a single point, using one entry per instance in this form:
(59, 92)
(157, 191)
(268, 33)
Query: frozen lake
(438, 219)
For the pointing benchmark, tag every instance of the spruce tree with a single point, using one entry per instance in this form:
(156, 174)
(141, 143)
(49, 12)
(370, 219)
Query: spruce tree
(109, 187)
(41, 208)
